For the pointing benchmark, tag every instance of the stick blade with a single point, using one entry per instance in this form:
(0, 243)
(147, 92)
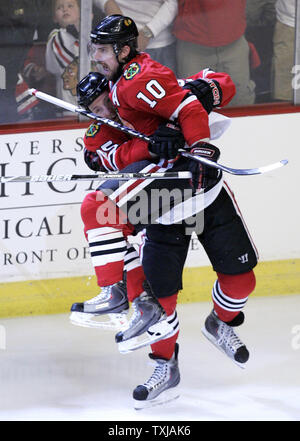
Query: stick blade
(271, 167)
(255, 171)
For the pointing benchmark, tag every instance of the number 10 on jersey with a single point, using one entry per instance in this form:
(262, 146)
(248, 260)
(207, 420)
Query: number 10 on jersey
(155, 89)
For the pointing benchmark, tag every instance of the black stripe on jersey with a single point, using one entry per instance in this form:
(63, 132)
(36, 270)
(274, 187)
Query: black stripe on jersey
(228, 304)
(177, 326)
(131, 250)
(23, 100)
(126, 262)
(113, 251)
(62, 65)
(106, 242)
(236, 302)
(173, 319)
(64, 47)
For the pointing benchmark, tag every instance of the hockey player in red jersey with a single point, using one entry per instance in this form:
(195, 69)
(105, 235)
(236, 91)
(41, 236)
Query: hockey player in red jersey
(116, 149)
(145, 91)
(114, 152)
(234, 282)
(96, 158)
(111, 253)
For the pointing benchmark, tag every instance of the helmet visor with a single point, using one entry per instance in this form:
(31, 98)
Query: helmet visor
(100, 52)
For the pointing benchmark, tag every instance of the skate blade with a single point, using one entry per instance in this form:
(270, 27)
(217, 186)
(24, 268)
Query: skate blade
(158, 331)
(113, 322)
(165, 397)
(212, 340)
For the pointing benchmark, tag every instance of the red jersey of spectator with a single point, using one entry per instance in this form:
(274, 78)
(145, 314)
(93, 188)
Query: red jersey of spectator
(210, 23)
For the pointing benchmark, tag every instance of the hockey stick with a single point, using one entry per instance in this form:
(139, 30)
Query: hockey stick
(236, 171)
(134, 133)
(72, 108)
(96, 177)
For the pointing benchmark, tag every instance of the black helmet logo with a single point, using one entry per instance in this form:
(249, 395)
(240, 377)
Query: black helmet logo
(114, 29)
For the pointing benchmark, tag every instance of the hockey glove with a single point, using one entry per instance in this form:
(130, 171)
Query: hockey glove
(167, 141)
(204, 176)
(208, 92)
(92, 160)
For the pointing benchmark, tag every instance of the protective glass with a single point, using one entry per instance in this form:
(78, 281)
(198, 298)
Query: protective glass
(100, 52)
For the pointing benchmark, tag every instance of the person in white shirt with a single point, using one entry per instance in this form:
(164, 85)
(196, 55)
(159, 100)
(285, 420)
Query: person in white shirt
(63, 44)
(283, 50)
(154, 19)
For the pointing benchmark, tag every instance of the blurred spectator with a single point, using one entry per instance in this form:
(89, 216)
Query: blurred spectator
(283, 50)
(20, 21)
(63, 44)
(34, 73)
(211, 34)
(29, 107)
(154, 19)
(261, 17)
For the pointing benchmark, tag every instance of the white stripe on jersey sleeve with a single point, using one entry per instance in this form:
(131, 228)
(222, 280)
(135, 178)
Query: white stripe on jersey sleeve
(184, 103)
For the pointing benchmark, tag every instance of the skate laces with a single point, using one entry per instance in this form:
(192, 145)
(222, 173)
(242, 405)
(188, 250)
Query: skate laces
(159, 375)
(135, 315)
(136, 311)
(229, 338)
(103, 295)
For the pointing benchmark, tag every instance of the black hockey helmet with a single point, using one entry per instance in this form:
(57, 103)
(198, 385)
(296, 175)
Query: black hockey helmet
(115, 29)
(90, 87)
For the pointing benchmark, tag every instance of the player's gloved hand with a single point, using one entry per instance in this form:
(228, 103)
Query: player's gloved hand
(208, 92)
(204, 176)
(168, 139)
(92, 160)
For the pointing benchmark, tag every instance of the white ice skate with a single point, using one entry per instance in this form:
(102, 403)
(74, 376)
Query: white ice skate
(108, 310)
(225, 339)
(148, 324)
(160, 388)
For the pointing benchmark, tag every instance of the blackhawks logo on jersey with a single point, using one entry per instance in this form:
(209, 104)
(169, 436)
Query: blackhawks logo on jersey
(92, 130)
(132, 70)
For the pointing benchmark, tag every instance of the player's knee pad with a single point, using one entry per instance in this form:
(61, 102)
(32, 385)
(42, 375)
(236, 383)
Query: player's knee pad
(89, 211)
(97, 210)
(169, 303)
(237, 286)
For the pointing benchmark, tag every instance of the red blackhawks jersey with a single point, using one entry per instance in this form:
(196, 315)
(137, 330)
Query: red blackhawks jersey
(145, 95)
(148, 93)
(116, 150)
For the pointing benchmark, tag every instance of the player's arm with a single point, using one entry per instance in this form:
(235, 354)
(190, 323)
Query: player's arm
(52, 62)
(93, 160)
(118, 157)
(213, 89)
(132, 151)
(100, 142)
(109, 150)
